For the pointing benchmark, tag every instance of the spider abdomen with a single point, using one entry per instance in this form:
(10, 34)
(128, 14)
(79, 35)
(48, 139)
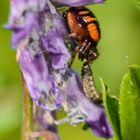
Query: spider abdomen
(89, 85)
(83, 23)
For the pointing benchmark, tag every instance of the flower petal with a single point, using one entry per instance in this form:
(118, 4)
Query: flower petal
(36, 75)
(100, 128)
(56, 48)
(96, 116)
(75, 2)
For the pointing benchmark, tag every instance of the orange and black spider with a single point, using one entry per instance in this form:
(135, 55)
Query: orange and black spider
(84, 29)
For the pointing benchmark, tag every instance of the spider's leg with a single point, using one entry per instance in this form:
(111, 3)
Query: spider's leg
(73, 56)
(86, 49)
(82, 49)
(74, 35)
(78, 39)
(84, 44)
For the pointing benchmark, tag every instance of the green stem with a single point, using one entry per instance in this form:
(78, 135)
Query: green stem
(27, 112)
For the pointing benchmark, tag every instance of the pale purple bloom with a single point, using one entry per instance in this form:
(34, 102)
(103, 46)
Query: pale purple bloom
(75, 2)
(36, 75)
(96, 116)
(39, 33)
(54, 44)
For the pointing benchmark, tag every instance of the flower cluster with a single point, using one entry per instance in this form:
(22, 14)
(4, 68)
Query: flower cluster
(38, 35)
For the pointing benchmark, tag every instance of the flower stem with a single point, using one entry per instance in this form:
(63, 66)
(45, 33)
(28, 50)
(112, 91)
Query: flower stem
(27, 112)
(28, 131)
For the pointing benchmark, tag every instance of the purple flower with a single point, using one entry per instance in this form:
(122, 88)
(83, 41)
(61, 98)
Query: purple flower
(39, 34)
(36, 75)
(54, 44)
(75, 2)
(96, 116)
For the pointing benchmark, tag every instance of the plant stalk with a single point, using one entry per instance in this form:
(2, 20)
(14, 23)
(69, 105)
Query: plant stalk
(27, 112)
(28, 131)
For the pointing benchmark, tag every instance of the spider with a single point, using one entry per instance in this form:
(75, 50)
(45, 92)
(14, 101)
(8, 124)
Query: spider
(84, 29)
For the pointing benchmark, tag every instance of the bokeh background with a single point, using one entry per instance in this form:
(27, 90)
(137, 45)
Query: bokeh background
(119, 47)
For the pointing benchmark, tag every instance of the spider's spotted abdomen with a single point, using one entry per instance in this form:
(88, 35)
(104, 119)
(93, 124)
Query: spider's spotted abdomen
(82, 22)
(89, 85)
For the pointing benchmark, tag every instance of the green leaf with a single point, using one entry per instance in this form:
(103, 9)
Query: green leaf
(130, 104)
(111, 105)
(137, 3)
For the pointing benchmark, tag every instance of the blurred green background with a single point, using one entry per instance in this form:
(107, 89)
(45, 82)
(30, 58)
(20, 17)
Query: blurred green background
(119, 47)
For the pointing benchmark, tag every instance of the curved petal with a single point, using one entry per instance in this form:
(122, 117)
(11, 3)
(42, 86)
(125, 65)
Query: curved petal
(75, 2)
(100, 128)
(36, 75)
(56, 48)
(96, 116)
(20, 32)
